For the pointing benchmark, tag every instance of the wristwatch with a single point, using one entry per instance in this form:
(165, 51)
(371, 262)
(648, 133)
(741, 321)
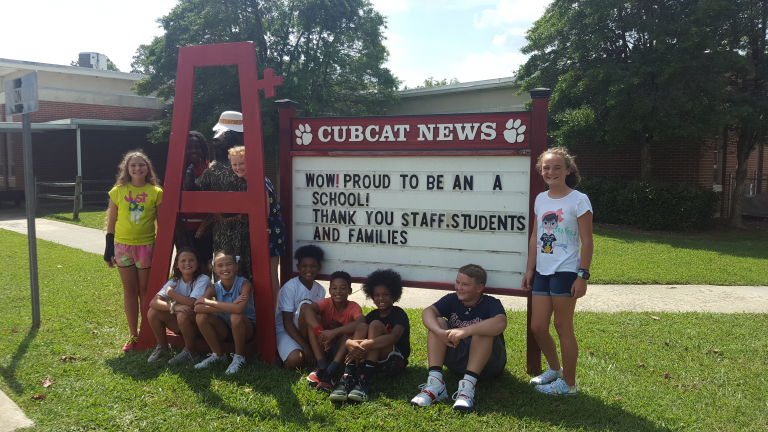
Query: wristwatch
(583, 273)
(173, 303)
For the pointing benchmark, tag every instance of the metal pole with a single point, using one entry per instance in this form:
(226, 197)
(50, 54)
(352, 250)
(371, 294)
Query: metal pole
(79, 160)
(29, 187)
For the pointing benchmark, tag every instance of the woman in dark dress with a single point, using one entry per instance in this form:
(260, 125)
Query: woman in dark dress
(230, 231)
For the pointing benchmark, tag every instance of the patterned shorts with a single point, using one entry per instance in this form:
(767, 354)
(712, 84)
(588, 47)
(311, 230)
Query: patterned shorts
(128, 255)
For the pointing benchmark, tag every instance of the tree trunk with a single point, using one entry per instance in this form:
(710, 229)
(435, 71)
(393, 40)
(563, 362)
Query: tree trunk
(744, 147)
(646, 165)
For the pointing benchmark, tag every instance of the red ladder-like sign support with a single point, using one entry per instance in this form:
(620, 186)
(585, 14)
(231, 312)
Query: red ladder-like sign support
(252, 202)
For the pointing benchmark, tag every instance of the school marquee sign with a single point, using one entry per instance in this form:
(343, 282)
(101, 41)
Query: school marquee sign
(423, 195)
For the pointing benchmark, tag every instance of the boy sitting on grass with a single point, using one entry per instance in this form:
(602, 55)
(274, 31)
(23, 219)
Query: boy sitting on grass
(380, 345)
(330, 322)
(293, 348)
(465, 334)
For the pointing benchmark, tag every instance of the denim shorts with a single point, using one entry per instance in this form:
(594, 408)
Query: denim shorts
(558, 284)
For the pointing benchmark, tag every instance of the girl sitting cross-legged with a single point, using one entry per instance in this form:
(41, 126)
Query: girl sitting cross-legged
(173, 307)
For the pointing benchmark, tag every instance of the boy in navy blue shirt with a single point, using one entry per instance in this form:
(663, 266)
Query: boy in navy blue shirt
(465, 334)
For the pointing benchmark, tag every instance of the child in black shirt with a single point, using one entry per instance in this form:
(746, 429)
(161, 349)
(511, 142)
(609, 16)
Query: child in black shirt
(381, 345)
(465, 334)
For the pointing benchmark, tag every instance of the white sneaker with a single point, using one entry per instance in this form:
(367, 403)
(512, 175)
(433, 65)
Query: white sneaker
(158, 353)
(464, 397)
(431, 391)
(548, 376)
(212, 357)
(185, 356)
(238, 361)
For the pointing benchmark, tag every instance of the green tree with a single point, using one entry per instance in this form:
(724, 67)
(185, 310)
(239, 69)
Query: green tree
(432, 82)
(626, 71)
(743, 36)
(329, 53)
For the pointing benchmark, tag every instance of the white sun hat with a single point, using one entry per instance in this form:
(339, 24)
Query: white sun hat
(229, 120)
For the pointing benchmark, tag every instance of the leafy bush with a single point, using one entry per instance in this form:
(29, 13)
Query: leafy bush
(650, 205)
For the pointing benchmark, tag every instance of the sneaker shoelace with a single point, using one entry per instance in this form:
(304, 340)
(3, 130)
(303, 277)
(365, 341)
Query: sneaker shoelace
(236, 359)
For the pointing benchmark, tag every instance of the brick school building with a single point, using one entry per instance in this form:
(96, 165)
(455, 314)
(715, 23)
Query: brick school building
(87, 119)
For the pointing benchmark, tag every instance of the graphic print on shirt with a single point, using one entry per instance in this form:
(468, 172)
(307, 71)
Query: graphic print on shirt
(136, 205)
(456, 322)
(549, 223)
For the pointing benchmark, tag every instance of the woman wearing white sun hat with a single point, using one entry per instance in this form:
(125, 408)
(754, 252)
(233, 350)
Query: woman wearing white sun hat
(228, 133)
(229, 120)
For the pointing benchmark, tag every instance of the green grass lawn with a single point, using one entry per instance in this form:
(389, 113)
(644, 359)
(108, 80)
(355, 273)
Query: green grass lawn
(105, 389)
(722, 258)
(89, 217)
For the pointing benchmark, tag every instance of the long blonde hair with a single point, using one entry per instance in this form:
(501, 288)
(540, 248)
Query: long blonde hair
(123, 177)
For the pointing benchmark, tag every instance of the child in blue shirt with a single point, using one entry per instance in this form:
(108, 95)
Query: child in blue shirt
(232, 313)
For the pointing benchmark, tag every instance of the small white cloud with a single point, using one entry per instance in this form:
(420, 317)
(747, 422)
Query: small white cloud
(385, 6)
(478, 67)
(512, 12)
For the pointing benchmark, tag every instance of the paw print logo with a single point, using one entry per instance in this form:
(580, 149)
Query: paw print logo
(303, 134)
(514, 132)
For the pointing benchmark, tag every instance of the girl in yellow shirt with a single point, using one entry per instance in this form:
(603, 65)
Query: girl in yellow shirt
(133, 204)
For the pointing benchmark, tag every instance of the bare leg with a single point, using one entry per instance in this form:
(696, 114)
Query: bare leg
(130, 278)
(242, 330)
(540, 319)
(213, 329)
(376, 329)
(361, 333)
(143, 276)
(188, 328)
(295, 360)
(569, 349)
(479, 353)
(312, 320)
(159, 321)
(436, 348)
(342, 351)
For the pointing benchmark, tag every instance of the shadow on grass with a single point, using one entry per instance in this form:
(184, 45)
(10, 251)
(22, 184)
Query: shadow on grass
(738, 244)
(263, 378)
(9, 372)
(509, 396)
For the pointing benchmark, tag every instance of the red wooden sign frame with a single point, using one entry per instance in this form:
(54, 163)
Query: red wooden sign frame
(536, 142)
(252, 202)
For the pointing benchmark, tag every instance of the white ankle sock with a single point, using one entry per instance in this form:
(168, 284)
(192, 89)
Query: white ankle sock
(471, 379)
(436, 374)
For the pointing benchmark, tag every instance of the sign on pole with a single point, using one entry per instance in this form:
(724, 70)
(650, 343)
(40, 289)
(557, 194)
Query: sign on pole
(21, 95)
(21, 98)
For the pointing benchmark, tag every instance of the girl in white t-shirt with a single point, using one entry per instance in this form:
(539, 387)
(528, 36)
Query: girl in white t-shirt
(559, 255)
(173, 307)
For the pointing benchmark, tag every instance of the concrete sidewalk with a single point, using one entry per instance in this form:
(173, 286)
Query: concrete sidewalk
(599, 298)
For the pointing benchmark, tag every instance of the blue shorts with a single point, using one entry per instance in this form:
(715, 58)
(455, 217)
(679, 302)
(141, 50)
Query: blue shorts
(558, 284)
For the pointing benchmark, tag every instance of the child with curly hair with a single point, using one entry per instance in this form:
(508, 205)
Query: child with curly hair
(382, 344)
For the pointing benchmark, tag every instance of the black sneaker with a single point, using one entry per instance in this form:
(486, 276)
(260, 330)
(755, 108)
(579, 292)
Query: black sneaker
(345, 385)
(361, 392)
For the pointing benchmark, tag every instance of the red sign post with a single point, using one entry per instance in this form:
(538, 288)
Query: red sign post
(252, 202)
